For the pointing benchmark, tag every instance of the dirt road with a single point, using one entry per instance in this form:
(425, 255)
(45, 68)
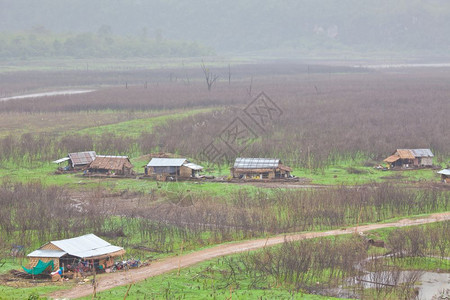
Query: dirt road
(108, 281)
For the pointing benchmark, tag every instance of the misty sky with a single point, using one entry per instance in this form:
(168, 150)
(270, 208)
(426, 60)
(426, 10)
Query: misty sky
(247, 25)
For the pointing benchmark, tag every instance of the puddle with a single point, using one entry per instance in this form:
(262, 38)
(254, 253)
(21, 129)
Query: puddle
(432, 284)
(46, 94)
(429, 284)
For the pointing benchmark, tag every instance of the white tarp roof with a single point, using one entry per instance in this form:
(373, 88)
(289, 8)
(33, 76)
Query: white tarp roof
(58, 161)
(444, 172)
(46, 253)
(166, 162)
(85, 246)
(193, 166)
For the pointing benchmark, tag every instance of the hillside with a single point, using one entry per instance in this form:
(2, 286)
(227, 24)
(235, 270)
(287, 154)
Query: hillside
(301, 27)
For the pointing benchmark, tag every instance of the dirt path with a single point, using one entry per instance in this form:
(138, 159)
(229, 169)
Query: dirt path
(108, 281)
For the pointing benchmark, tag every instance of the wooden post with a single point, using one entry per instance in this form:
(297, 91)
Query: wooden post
(94, 282)
(179, 260)
(126, 294)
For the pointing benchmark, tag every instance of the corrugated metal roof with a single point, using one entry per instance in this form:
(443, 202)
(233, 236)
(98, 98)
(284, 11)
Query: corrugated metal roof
(166, 162)
(85, 246)
(46, 253)
(193, 166)
(58, 161)
(256, 163)
(422, 152)
(82, 158)
(444, 172)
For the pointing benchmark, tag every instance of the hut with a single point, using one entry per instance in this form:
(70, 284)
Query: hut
(445, 175)
(259, 168)
(86, 248)
(110, 165)
(77, 160)
(410, 158)
(175, 168)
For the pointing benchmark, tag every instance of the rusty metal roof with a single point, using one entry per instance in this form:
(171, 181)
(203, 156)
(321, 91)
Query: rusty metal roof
(82, 158)
(256, 163)
(109, 162)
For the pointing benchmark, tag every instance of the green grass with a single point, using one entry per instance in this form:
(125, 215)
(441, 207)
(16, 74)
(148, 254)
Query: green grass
(11, 264)
(108, 64)
(333, 176)
(44, 174)
(340, 175)
(135, 128)
(12, 293)
(420, 263)
(201, 282)
(18, 290)
(193, 283)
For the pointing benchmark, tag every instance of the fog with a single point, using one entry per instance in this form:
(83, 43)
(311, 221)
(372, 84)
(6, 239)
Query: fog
(307, 28)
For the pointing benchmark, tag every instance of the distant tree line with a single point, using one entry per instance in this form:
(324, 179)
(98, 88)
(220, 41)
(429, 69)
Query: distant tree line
(23, 45)
(301, 26)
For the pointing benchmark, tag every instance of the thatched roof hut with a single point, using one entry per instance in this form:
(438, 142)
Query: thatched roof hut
(118, 165)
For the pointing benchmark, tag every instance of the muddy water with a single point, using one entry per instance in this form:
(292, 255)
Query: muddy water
(46, 94)
(432, 284)
(429, 284)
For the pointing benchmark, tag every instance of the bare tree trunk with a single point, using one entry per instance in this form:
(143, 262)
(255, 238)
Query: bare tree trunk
(209, 77)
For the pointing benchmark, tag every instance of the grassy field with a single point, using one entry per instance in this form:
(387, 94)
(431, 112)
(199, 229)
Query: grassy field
(116, 65)
(337, 124)
(213, 279)
(90, 122)
(344, 174)
(135, 128)
(200, 282)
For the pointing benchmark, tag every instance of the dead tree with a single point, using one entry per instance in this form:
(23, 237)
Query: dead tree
(209, 77)
(249, 89)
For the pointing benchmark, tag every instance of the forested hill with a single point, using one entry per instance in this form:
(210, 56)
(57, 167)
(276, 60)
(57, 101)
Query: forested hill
(248, 25)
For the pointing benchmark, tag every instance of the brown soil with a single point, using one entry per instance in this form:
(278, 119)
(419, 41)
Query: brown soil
(108, 281)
